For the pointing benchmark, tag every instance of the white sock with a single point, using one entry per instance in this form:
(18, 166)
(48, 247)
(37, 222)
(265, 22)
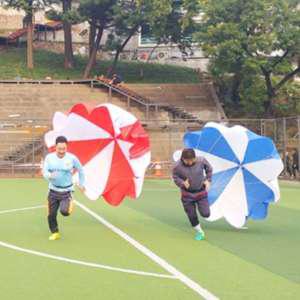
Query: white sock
(198, 228)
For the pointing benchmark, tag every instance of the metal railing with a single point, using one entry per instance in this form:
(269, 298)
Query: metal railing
(146, 105)
(140, 100)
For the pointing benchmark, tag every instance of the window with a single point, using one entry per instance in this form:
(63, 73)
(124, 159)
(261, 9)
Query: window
(146, 37)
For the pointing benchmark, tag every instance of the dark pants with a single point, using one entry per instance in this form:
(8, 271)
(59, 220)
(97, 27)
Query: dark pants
(295, 169)
(190, 208)
(58, 200)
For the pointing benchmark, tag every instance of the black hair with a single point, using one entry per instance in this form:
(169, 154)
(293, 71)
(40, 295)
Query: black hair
(61, 139)
(188, 153)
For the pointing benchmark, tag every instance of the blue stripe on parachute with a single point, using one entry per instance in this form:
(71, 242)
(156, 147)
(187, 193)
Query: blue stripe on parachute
(219, 182)
(210, 140)
(258, 196)
(259, 148)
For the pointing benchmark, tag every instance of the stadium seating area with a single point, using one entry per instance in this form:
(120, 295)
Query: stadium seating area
(27, 109)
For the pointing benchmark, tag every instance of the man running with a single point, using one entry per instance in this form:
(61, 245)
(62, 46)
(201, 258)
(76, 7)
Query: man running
(188, 175)
(58, 169)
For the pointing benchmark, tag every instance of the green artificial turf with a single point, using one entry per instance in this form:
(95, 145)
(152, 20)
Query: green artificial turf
(259, 263)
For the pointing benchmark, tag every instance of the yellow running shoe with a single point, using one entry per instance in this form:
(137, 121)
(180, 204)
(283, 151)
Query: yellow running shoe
(54, 236)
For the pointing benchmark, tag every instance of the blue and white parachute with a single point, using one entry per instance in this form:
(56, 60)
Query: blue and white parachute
(246, 167)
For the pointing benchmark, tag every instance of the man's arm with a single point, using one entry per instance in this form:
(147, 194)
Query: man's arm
(45, 171)
(208, 171)
(78, 167)
(181, 183)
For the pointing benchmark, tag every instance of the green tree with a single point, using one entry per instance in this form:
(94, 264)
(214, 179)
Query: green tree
(178, 27)
(100, 15)
(68, 16)
(129, 16)
(29, 7)
(247, 39)
(288, 100)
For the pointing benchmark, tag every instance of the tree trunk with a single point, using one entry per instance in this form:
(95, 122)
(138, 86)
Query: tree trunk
(152, 51)
(272, 91)
(268, 106)
(69, 57)
(92, 59)
(121, 48)
(268, 103)
(112, 69)
(92, 36)
(30, 43)
(235, 93)
(286, 78)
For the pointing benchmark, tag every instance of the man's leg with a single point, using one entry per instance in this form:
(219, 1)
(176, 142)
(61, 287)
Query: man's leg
(294, 172)
(190, 210)
(66, 204)
(203, 208)
(53, 205)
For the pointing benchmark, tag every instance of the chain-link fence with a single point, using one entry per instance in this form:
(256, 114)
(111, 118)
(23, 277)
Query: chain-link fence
(22, 147)
(285, 132)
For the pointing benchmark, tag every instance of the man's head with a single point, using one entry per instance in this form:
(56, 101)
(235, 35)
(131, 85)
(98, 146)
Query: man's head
(188, 156)
(61, 146)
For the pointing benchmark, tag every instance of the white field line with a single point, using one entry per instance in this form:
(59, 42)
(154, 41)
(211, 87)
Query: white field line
(21, 209)
(164, 264)
(83, 263)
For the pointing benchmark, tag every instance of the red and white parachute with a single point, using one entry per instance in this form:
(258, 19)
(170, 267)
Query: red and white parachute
(112, 146)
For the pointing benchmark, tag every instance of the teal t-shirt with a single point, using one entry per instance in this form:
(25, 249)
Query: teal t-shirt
(63, 170)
